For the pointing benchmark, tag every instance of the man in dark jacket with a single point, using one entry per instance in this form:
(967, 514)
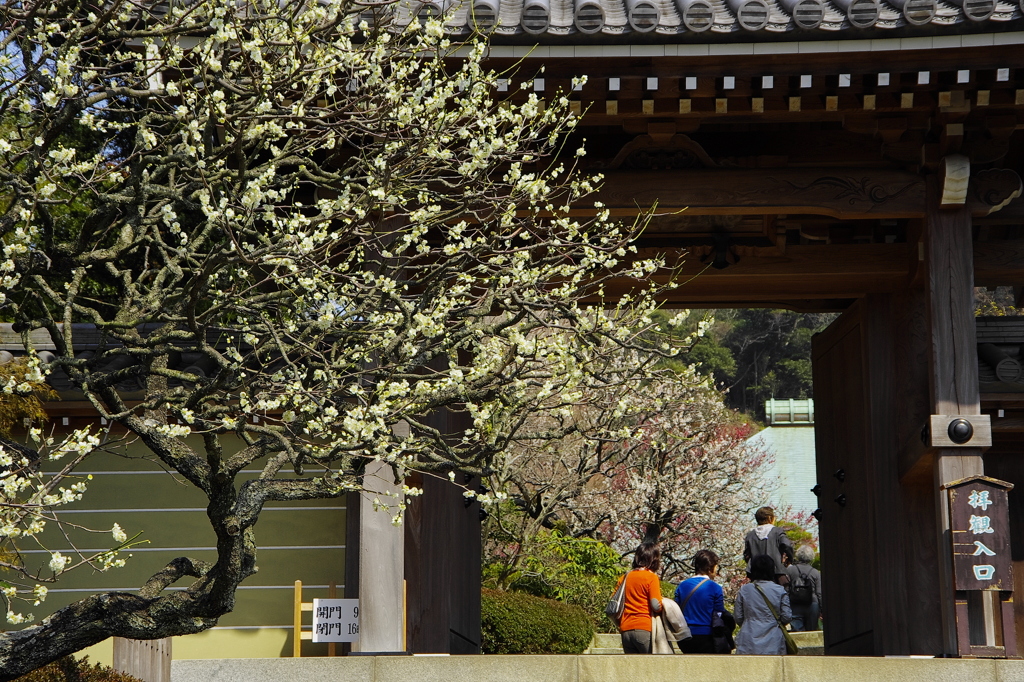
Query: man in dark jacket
(769, 539)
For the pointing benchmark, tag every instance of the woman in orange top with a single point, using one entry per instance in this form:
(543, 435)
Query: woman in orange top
(643, 597)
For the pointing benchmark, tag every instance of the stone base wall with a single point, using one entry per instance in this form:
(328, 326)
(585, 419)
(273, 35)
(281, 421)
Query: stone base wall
(596, 669)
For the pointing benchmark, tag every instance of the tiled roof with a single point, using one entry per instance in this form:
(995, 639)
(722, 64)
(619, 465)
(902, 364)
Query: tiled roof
(556, 20)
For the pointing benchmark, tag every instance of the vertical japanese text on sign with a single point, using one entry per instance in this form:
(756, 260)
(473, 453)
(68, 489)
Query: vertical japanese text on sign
(979, 526)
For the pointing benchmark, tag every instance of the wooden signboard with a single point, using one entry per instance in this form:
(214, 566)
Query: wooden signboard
(980, 526)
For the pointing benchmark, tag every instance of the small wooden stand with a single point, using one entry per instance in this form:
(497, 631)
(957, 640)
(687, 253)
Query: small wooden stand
(298, 634)
(963, 630)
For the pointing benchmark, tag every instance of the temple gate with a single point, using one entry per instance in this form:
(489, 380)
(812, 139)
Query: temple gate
(873, 177)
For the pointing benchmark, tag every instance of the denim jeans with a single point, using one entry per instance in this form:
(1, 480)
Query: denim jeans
(805, 618)
(636, 642)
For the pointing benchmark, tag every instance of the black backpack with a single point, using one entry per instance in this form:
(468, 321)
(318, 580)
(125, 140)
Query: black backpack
(801, 592)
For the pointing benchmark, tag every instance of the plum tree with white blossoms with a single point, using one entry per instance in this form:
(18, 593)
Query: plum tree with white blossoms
(335, 216)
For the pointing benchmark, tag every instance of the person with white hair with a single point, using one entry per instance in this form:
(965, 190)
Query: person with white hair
(804, 591)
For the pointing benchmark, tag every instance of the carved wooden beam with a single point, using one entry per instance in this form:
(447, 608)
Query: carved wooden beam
(954, 179)
(800, 274)
(831, 275)
(993, 189)
(840, 193)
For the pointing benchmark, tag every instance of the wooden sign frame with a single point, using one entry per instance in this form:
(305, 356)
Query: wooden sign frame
(979, 524)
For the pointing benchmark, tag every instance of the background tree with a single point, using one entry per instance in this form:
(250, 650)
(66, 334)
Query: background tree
(756, 354)
(306, 227)
(686, 477)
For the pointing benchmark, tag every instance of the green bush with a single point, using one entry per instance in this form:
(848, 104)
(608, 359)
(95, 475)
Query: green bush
(519, 623)
(69, 669)
(578, 571)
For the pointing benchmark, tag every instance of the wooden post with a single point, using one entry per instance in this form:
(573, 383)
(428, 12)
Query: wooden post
(297, 621)
(381, 565)
(332, 593)
(148, 660)
(297, 632)
(949, 260)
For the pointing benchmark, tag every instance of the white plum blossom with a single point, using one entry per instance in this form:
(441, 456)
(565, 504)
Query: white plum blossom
(58, 562)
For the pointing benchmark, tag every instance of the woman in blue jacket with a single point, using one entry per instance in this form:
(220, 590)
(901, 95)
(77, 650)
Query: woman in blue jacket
(700, 597)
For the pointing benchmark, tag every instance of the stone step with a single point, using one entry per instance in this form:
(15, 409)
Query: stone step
(811, 643)
(812, 638)
(605, 640)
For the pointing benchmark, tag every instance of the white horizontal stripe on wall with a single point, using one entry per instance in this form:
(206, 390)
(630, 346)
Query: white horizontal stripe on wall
(125, 510)
(148, 472)
(188, 549)
(253, 627)
(98, 590)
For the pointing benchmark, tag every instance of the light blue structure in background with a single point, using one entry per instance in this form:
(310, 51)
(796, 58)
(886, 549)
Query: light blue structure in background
(790, 439)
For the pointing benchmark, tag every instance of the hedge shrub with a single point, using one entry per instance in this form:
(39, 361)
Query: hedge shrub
(519, 623)
(69, 669)
(579, 571)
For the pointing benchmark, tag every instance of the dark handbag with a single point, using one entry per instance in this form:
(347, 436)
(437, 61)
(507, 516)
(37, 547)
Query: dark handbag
(791, 647)
(617, 603)
(722, 626)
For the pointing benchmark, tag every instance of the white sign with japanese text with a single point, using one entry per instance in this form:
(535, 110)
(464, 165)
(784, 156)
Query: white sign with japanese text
(335, 620)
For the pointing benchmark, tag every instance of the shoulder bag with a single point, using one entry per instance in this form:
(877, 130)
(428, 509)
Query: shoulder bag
(618, 602)
(791, 647)
(696, 587)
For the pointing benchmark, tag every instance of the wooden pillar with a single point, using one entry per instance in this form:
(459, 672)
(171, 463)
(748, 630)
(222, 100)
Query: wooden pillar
(381, 565)
(443, 547)
(949, 262)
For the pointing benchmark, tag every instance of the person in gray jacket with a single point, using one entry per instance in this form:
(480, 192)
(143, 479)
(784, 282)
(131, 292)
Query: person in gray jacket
(771, 540)
(804, 590)
(760, 631)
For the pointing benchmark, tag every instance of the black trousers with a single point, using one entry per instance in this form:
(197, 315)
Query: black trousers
(698, 644)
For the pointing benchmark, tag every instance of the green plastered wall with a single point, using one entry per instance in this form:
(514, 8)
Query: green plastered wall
(297, 541)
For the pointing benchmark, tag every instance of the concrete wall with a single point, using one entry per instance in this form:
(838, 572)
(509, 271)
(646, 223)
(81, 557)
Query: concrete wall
(598, 669)
(298, 541)
(794, 465)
